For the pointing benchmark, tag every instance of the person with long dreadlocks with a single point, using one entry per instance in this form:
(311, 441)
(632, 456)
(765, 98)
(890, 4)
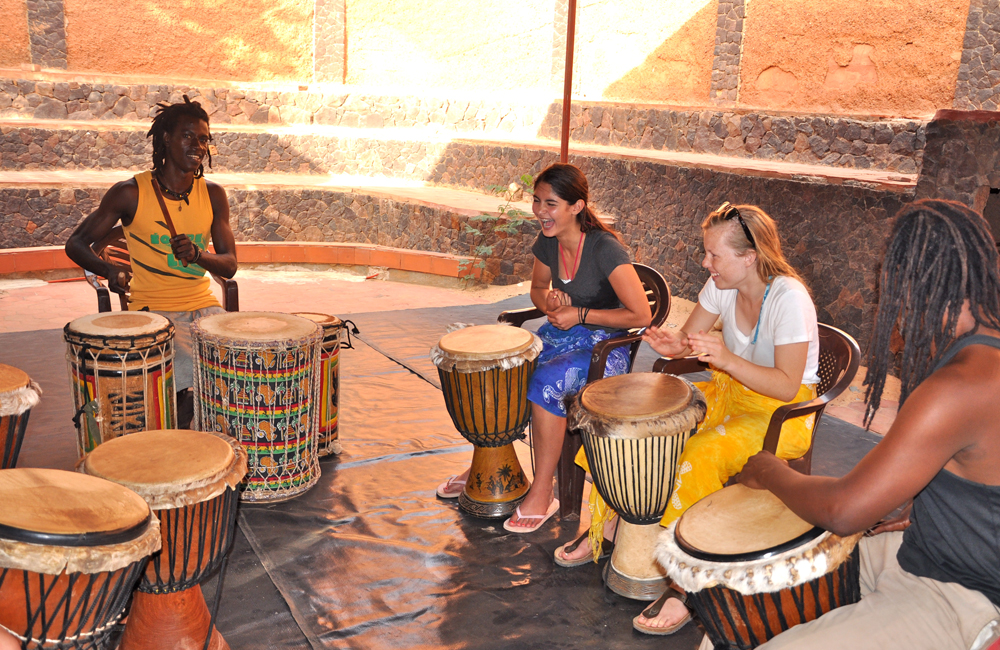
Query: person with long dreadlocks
(931, 578)
(168, 272)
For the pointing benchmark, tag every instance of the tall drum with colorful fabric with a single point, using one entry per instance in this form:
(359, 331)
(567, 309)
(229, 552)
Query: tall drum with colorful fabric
(190, 480)
(484, 372)
(72, 547)
(18, 395)
(753, 569)
(121, 371)
(329, 391)
(634, 428)
(257, 379)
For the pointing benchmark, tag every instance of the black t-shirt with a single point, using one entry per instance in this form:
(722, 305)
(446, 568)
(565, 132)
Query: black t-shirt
(591, 287)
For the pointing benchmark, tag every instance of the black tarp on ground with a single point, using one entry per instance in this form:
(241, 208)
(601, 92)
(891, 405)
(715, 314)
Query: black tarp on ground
(370, 558)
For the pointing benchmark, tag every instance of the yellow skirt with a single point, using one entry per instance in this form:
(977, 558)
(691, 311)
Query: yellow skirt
(733, 430)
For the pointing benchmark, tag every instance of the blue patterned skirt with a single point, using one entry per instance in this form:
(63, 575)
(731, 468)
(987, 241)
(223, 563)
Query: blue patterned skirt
(564, 363)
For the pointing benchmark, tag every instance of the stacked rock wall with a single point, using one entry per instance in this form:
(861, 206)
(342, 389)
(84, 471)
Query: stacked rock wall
(850, 142)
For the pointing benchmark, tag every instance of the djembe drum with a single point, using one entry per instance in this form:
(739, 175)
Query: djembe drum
(329, 390)
(257, 379)
(18, 395)
(72, 547)
(484, 372)
(190, 480)
(634, 428)
(121, 372)
(753, 569)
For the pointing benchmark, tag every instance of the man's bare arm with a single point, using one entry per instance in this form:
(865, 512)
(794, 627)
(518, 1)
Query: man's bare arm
(118, 204)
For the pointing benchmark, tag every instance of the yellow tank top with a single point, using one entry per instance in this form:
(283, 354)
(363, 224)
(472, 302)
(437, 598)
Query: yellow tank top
(159, 281)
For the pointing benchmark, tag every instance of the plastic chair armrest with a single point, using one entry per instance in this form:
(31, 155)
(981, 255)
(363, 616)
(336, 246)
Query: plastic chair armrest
(518, 317)
(230, 293)
(787, 412)
(681, 366)
(599, 355)
(103, 295)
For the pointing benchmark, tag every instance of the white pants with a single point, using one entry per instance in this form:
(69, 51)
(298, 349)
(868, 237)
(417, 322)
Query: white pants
(183, 350)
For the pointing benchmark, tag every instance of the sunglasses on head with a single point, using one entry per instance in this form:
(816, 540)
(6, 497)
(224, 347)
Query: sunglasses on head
(728, 212)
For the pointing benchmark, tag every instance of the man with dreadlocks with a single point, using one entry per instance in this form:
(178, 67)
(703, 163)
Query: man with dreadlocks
(169, 268)
(936, 585)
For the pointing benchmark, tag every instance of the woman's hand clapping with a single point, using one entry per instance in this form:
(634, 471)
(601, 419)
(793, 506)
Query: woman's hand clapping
(665, 342)
(710, 349)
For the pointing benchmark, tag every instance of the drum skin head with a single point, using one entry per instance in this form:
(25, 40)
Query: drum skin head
(164, 457)
(485, 341)
(323, 320)
(738, 521)
(66, 503)
(12, 378)
(639, 395)
(122, 323)
(257, 326)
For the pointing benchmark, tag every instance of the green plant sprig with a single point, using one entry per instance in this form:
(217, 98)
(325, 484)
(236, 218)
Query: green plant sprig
(508, 221)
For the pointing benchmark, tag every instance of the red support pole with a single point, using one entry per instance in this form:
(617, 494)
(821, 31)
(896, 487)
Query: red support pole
(568, 80)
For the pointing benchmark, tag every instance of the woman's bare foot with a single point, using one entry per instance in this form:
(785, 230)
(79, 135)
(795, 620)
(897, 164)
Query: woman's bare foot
(536, 502)
(453, 487)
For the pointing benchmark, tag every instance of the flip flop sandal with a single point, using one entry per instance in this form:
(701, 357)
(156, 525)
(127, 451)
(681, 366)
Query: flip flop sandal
(607, 547)
(653, 611)
(513, 528)
(444, 490)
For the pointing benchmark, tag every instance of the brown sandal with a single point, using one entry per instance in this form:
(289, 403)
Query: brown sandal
(654, 610)
(606, 548)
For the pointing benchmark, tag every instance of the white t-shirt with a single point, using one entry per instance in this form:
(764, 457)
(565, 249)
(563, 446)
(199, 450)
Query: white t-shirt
(788, 316)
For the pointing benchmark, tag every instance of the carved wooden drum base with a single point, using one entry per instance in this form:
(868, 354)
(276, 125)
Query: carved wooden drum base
(496, 484)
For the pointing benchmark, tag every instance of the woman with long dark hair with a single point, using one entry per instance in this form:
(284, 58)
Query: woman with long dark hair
(584, 282)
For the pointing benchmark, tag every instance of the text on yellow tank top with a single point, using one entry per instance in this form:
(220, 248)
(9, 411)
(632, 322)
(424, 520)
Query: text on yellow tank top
(160, 281)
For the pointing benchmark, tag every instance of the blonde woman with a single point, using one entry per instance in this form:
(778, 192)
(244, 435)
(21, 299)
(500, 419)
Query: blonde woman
(768, 355)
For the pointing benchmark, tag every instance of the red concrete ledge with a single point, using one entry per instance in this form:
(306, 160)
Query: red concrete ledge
(48, 258)
(41, 258)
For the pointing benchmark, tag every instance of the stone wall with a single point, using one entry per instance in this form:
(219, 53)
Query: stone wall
(978, 86)
(47, 33)
(833, 234)
(895, 145)
(728, 50)
(963, 157)
(46, 217)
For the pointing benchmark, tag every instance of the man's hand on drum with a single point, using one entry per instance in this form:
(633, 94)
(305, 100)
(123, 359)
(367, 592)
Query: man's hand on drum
(118, 280)
(757, 468)
(665, 342)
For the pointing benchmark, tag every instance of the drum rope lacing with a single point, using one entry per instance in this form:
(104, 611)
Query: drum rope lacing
(300, 469)
(110, 599)
(83, 354)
